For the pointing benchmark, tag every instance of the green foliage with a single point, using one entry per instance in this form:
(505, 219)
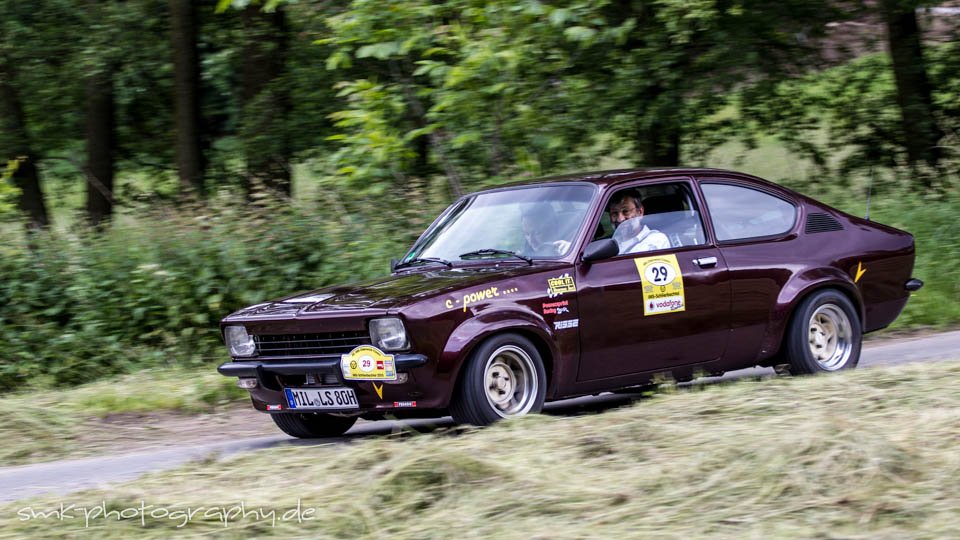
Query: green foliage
(55, 45)
(8, 191)
(35, 39)
(373, 154)
(151, 291)
(508, 96)
(495, 90)
(853, 107)
(457, 88)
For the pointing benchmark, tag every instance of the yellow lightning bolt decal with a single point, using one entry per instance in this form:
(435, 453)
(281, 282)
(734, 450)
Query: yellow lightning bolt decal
(860, 271)
(379, 390)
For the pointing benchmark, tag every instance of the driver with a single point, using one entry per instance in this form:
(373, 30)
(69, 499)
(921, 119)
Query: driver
(626, 214)
(536, 227)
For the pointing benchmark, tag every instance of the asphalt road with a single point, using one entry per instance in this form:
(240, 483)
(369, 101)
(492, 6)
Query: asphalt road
(67, 476)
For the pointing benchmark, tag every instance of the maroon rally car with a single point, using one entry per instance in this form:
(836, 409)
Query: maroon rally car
(577, 285)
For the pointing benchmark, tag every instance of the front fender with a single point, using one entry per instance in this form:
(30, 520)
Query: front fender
(472, 331)
(794, 291)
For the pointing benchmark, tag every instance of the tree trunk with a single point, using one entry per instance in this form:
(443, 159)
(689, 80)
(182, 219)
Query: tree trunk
(100, 145)
(658, 129)
(266, 100)
(15, 144)
(657, 134)
(921, 134)
(660, 143)
(186, 75)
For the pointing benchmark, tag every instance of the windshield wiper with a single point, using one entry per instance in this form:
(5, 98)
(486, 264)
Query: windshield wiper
(414, 260)
(488, 251)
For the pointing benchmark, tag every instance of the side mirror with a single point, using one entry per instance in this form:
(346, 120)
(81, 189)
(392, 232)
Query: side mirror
(393, 265)
(600, 249)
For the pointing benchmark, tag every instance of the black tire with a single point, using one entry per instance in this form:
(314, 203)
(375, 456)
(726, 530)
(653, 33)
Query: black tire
(504, 376)
(313, 425)
(824, 334)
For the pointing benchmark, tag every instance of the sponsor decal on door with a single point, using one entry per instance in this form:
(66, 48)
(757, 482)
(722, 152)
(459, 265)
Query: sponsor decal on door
(662, 283)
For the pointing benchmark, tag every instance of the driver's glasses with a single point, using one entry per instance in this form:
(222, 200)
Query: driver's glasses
(622, 212)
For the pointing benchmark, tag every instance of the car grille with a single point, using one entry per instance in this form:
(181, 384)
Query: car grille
(310, 344)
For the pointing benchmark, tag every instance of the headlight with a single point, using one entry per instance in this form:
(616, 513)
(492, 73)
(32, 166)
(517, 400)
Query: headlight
(239, 341)
(388, 334)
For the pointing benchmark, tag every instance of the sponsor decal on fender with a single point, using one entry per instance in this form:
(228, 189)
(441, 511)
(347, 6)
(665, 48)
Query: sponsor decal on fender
(477, 296)
(404, 404)
(560, 285)
(556, 308)
(563, 325)
(662, 283)
(368, 363)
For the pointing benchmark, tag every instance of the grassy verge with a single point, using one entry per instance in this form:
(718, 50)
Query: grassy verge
(865, 454)
(47, 424)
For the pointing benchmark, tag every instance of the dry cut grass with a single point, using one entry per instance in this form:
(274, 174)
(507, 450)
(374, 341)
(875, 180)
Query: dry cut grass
(866, 454)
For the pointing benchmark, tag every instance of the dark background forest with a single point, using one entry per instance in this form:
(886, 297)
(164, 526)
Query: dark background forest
(168, 161)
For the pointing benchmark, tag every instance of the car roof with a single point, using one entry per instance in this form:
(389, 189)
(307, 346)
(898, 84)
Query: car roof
(612, 177)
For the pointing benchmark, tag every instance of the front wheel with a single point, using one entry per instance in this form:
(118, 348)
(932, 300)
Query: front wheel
(824, 335)
(313, 425)
(503, 377)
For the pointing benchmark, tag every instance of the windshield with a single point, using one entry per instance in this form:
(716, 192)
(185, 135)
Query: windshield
(539, 222)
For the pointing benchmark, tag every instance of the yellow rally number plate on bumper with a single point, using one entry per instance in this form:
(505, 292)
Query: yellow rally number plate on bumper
(367, 363)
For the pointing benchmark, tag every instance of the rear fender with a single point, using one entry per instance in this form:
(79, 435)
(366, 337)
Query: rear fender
(794, 291)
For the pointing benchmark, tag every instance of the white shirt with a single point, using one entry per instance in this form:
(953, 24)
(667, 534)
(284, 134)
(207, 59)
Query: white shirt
(646, 240)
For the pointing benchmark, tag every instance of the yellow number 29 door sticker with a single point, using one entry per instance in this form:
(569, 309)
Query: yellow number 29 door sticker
(662, 284)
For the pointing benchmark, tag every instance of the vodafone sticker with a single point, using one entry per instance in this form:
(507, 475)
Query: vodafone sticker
(662, 284)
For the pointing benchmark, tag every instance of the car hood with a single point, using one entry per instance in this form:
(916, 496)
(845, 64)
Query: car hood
(385, 293)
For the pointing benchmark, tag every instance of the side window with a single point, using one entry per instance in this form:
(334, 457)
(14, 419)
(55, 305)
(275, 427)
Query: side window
(652, 217)
(739, 212)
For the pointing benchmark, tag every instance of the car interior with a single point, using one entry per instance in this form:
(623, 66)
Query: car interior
(668, 208)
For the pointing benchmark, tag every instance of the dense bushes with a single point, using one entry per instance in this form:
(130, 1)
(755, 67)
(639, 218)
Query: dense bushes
(933, 223)
(151, 290)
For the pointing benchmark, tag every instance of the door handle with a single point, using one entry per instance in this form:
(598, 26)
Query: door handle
(705, 262)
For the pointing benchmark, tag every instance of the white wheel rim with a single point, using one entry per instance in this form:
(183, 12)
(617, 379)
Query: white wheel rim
(510, 381)
(830, 337)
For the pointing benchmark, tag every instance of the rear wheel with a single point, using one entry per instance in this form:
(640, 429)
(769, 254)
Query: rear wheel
(824, 335)
(503, 377)
(313, 425)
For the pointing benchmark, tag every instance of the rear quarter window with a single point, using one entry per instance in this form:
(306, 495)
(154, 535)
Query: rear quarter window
(739, 212)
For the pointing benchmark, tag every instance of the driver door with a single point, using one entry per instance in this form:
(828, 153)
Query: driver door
(630, 324)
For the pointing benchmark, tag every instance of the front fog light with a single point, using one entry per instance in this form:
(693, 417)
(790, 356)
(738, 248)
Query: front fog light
(239, 341)
(388, 334)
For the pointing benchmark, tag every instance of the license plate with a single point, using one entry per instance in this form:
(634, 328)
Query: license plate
(321, 398)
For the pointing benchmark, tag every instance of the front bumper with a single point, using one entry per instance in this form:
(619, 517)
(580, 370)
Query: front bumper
(405, 397)
(266, 371)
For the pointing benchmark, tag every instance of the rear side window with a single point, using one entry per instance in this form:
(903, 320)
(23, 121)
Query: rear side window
(739, 212)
